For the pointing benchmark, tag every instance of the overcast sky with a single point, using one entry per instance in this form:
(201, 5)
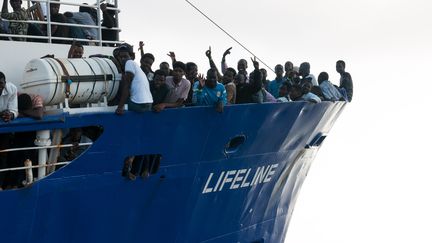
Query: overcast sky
(371, 181)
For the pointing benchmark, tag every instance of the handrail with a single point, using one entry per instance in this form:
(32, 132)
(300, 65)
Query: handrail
(35, 166)
(64, 24)
(72, 4)
(44, 147)
(58, 38)
(49, 24)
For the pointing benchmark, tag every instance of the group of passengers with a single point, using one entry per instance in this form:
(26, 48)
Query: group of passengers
(144, 89)
(14, 22)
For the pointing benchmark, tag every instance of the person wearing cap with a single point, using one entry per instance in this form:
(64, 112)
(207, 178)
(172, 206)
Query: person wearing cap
(135, 88)
(178, 88)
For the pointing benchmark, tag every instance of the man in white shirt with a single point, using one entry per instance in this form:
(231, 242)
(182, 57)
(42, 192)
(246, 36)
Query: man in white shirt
(8, 100)
(135, 89)
(8, 111)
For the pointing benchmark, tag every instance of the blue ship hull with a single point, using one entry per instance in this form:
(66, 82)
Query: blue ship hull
(201, 193)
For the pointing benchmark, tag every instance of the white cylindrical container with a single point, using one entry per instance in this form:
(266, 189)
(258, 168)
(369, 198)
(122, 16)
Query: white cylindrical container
(85, 80)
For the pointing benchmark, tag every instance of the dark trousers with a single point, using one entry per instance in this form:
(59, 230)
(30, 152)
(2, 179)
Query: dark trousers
(5, 139)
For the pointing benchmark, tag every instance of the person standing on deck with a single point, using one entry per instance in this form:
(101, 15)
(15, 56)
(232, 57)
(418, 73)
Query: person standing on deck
(209, 92)
(289, 67)
(345, 79)
(304, 72)
(178, 88)
(246, 91)
(135, 86)
(19, 14)
(273, 87)
(147, 60)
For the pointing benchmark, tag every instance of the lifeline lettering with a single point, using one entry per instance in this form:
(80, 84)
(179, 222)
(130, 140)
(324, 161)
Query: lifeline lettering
(235, 179)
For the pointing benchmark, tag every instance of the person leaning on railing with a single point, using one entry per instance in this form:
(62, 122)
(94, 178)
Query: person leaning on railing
(17, 14)
(8, 111)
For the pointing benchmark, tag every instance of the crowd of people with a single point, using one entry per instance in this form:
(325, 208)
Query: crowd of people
(86, 15)
(144, 89)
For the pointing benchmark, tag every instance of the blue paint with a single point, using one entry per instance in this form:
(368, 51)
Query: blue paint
(89, 201)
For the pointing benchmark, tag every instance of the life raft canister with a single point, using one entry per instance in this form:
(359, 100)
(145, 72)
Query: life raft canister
(82, 80)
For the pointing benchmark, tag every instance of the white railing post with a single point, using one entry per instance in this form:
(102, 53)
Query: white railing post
(117, 19)
(99, 22)
(42, 139)
(49, 20)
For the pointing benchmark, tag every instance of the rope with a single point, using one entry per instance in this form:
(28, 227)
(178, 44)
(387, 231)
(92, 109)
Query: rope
(238, 42)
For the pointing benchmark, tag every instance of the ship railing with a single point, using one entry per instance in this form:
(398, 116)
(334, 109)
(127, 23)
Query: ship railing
(35, 166)
(49, 23)
(43, 166)
(43, 147)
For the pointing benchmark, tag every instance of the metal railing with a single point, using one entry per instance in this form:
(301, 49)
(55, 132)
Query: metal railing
(50, 23)
(43, 147)
(45, 165)
(35, 166)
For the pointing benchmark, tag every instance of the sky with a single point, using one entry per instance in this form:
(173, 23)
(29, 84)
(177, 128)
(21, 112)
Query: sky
(371, 179)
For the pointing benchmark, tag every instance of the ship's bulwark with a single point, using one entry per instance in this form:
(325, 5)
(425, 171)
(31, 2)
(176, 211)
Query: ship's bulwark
(199, 194)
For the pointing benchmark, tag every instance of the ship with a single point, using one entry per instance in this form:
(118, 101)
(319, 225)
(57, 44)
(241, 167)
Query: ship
(215, 177)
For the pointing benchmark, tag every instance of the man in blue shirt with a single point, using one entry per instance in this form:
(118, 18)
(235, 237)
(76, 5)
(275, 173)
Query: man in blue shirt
(208, 92)
(273, 87)
(330, 92)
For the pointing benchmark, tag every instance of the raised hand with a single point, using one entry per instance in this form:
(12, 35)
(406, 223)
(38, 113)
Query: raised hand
(201, 80)
(255, 62)
(172, 55)
(208, 53)
(141, 45)
(227, 52)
